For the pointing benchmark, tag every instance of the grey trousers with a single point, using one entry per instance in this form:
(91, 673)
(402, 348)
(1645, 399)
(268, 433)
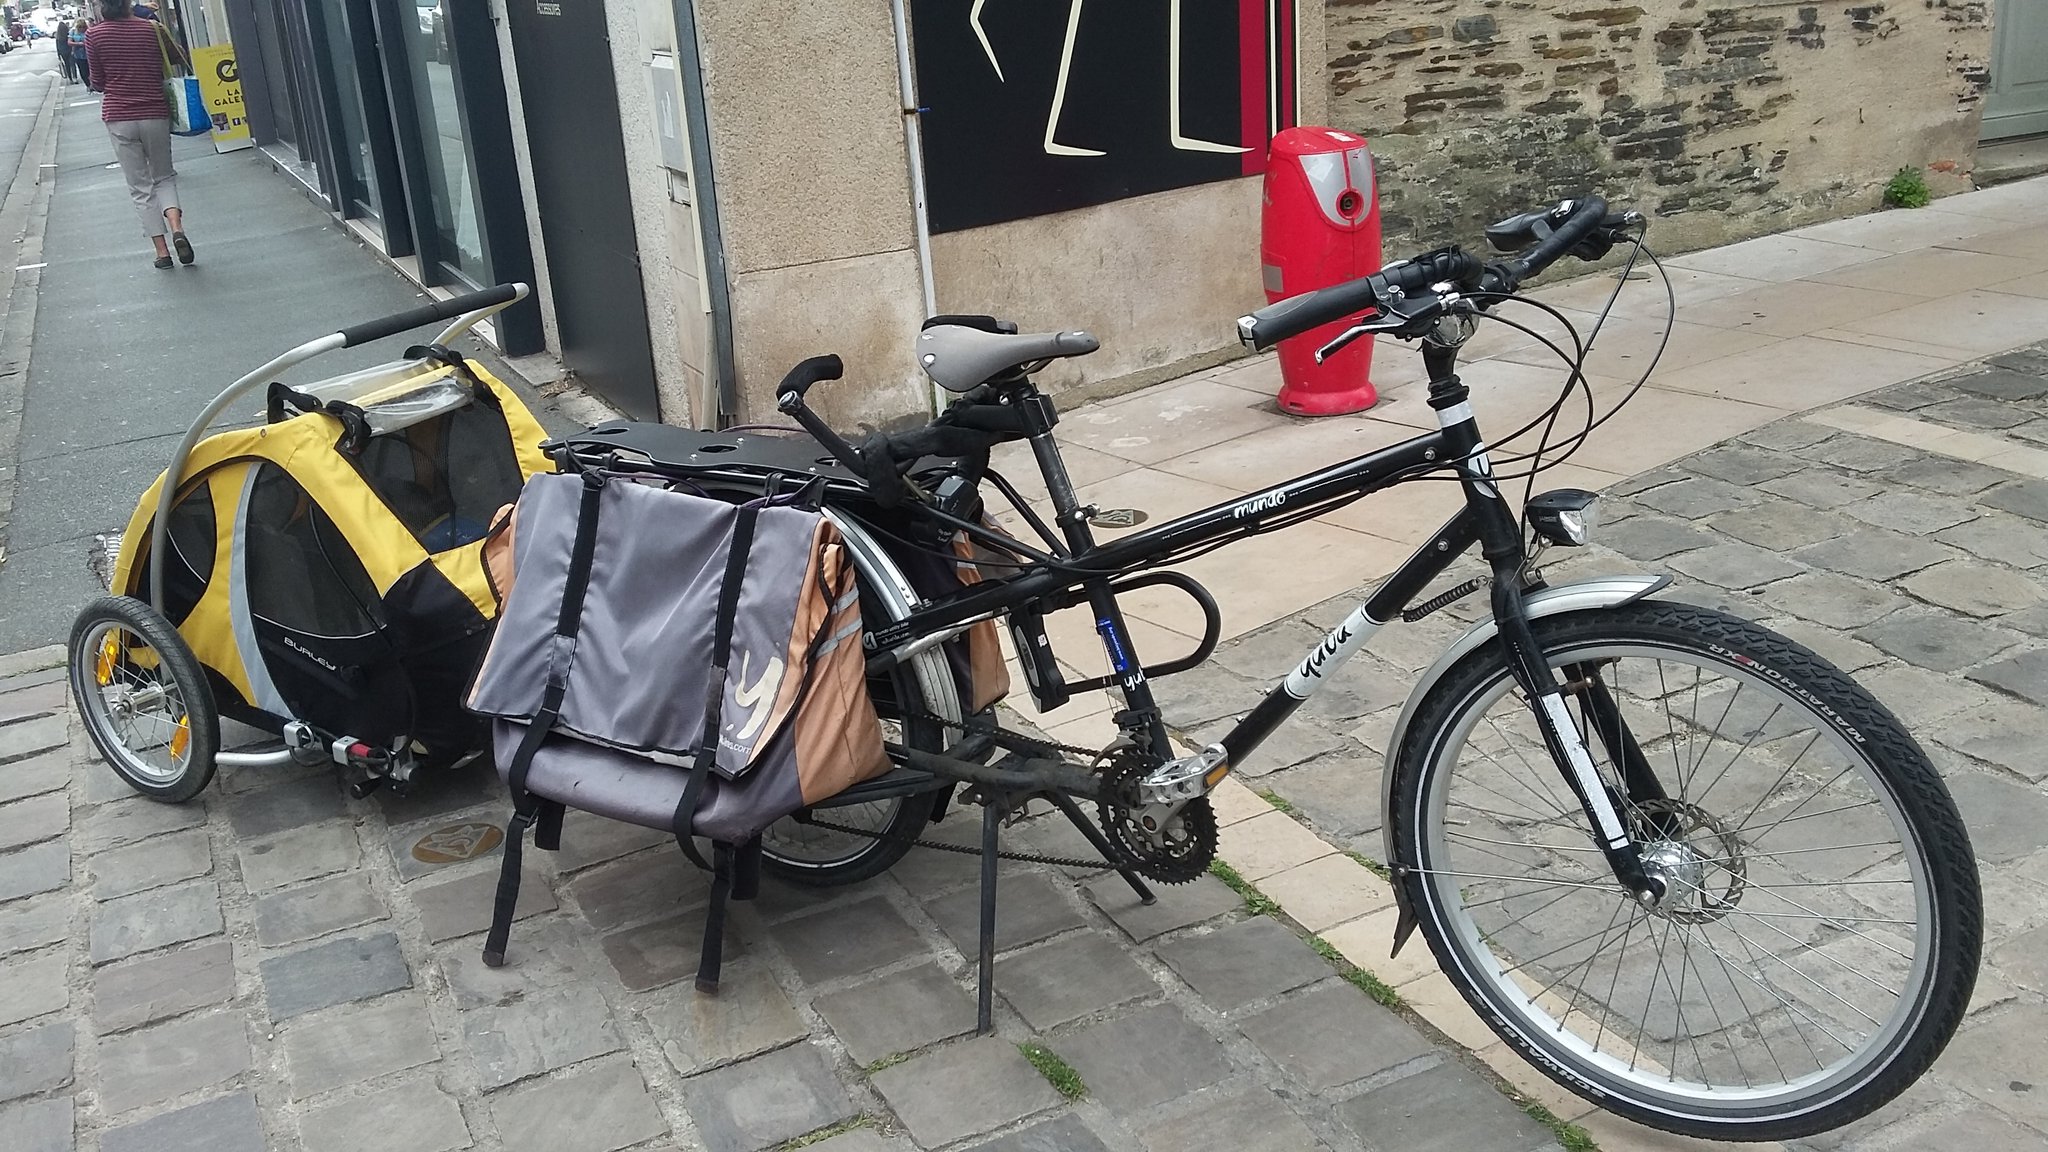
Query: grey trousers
(144, 149)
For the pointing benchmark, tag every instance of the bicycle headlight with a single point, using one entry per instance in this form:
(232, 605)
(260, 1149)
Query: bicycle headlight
(1565, 516)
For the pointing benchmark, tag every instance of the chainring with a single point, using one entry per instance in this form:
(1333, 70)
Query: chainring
(1181, 853)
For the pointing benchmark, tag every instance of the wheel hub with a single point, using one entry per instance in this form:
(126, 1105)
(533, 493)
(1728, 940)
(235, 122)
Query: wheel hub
(1696, 856)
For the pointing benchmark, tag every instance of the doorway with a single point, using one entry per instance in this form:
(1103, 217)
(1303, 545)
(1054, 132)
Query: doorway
(2017, 104)
(564, 58)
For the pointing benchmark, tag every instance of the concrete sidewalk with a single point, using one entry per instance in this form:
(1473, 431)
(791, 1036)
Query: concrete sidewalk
(124, 355)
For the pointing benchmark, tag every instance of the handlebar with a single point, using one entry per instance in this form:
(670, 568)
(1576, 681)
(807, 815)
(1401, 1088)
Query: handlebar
(432, 313)
(1297, 314)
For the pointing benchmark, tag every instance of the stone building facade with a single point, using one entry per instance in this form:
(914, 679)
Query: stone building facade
(1720, 120)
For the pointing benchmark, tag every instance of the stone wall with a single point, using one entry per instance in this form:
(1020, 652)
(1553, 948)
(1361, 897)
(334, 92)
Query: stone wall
(1721, 120)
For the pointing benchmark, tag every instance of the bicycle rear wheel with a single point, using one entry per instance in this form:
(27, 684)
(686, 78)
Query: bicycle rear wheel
(1819, 938)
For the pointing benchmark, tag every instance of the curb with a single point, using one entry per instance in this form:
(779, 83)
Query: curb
(22, 214)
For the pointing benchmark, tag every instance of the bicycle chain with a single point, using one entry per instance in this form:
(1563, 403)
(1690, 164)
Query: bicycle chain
(966, 850)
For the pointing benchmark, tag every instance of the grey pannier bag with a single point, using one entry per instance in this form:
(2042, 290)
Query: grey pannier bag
(676, 662)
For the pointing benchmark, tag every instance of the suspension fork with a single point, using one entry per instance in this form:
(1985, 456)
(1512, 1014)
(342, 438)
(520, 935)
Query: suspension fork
(1500, 539)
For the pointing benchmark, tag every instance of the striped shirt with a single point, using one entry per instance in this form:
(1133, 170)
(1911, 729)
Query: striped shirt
(128, 67)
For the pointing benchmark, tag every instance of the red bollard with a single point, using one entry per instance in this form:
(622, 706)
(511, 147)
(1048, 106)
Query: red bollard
(1321, 226)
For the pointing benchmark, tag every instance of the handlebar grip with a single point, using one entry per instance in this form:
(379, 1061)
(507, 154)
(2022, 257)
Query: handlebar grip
(1586, 215)
(1297, 314)
(433, 313)
(789, 395)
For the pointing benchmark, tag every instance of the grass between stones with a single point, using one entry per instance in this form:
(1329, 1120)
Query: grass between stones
(1258, 902)
(885, 1062)
(1358, 977)
(1570, 1136)
(824, 1134)
(1057, 1072)
(1276, 800)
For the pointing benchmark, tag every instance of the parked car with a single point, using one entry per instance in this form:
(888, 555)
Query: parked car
(434, 26)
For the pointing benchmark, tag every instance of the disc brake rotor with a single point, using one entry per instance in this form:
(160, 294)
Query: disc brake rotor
(1697, 856)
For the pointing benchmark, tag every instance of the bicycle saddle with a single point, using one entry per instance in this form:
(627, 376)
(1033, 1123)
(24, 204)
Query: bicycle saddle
(959, 358)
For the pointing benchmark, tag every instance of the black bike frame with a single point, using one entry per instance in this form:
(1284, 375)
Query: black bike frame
(1486, 519)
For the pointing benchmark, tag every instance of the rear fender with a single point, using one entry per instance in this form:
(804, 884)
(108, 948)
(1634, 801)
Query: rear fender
(1605, 592)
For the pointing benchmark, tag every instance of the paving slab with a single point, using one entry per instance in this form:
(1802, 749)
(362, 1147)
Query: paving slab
(42, 1126)
(155, 919)
(1256, 1120)
(653, 885)
(156, 1064)
(41, 773)
(1445, 1109)
(1331, 1035)
(33, 986)
(137, 992)
(1178, 906)
(749, 1015)
(286, 806)
(963, 1090)
(897, 1013)
(43, 867)
(1239, 963)
(546, 952)
(1938, 641)
(131, 820)
(1874, 553)
(665, 951)
(36, 1059)
(2023, 674)
(29, 924)
(28, 737)
(414, 1115)
(1975, 589)
(847, 941)
(334, 972)
(36, 818)
(463, 906)
(2005, 820)
(151, 864)
(1070, 978)
(1999, 1059)
(302, 854)
(343, 1046)
(228, 1123)
(1144, 1058)
(1067, 1133)
(316, 909)
(764, 1101)
(1029, 907)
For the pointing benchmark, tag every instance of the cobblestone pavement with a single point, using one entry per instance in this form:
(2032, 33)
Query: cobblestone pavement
(278, 966)
(1904, 536)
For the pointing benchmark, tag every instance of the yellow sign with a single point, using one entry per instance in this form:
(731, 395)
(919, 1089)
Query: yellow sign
(221, 84)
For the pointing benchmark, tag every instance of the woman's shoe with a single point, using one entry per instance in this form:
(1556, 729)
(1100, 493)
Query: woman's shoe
(163, 262)
(183, 246)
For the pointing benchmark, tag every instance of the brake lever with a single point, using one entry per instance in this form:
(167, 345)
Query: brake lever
(1389, 318)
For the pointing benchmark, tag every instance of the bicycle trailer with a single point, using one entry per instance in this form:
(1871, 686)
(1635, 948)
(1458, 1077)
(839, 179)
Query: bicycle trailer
(321, 577)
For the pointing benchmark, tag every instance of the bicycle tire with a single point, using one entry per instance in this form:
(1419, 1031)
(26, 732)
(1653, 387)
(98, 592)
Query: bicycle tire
(1919, 806)
(91, 670)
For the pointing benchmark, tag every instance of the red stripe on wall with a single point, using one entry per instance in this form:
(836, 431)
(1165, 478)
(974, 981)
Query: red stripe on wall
(1252, 83)
(1290, 75)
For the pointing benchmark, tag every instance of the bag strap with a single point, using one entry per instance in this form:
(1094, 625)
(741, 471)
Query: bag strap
(163, 47)
(527, 808)
(714, 692)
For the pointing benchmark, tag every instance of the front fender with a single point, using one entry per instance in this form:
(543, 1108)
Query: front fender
(1604, 592)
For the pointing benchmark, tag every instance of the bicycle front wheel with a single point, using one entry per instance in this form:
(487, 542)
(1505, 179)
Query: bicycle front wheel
(1818, 940)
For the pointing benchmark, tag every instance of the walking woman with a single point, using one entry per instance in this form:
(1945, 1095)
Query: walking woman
(62, 39)
(79, 64)
(127, 55)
